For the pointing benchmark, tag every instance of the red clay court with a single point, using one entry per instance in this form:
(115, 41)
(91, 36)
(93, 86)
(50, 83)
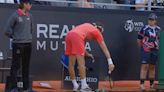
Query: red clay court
(119, 86)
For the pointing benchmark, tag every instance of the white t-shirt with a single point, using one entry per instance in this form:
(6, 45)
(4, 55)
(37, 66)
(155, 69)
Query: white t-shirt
(141, 2)
(6, 1)
(160, 1)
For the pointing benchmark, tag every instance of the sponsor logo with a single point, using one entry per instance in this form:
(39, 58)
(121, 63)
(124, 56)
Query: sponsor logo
(88, 79)
(52, 37)
(131, 26)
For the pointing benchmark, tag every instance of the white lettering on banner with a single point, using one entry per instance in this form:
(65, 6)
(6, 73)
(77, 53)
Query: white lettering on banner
(52, 36)
(53, 31)
(1, 55)
(41, 45)
(52, 45)
(87, 46)
(65, 30)
(138, 23)
(42, 29)
(88, 79)
(131, 25)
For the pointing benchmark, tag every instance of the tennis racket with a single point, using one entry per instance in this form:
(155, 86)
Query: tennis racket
(110, 80)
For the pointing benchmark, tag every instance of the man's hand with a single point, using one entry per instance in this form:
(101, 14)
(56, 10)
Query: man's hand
(111, 68)
(91, 56)
(139, 42)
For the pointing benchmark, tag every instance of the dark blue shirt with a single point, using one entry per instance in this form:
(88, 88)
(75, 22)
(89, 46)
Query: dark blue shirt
(149, 37)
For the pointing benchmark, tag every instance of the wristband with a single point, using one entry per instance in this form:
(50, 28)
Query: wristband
(109, 61)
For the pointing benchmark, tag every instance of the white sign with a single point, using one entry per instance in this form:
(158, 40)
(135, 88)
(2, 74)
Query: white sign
(52, 36)
(88, 79)
(1, 55)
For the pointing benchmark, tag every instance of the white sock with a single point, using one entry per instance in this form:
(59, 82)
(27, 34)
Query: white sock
(75, 84)
(83, 83)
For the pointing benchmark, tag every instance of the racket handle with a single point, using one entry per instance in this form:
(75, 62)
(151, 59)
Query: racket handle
(109, 72)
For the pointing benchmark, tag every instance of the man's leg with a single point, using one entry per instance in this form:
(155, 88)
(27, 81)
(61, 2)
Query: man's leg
(152, 65)
(151, 74)
(82, 71)
(143, 74)
(16, 60)
(25, 65)
(145, 58)
(81, 66)
(72, 61)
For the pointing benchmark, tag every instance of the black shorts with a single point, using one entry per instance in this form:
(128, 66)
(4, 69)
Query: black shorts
(150, 57)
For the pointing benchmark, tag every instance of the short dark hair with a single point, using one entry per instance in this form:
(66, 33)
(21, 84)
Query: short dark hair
(26, 1)
(99, 26)
(152, 16)
(21, 5)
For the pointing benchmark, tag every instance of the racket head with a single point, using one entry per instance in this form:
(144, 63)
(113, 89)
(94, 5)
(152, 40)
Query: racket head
(64, 60)
(111, 82)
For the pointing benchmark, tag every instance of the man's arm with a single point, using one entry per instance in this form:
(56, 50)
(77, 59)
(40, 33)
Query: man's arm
(99, 38)
(10, 25)
(140, 37)
(105, 49)
(108, 56)
(139, 42)
(32, 23)
(89, 55)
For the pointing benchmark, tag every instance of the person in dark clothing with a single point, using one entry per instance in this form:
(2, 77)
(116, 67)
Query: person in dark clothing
(19, 28)
(148, 41)
(16, 1)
